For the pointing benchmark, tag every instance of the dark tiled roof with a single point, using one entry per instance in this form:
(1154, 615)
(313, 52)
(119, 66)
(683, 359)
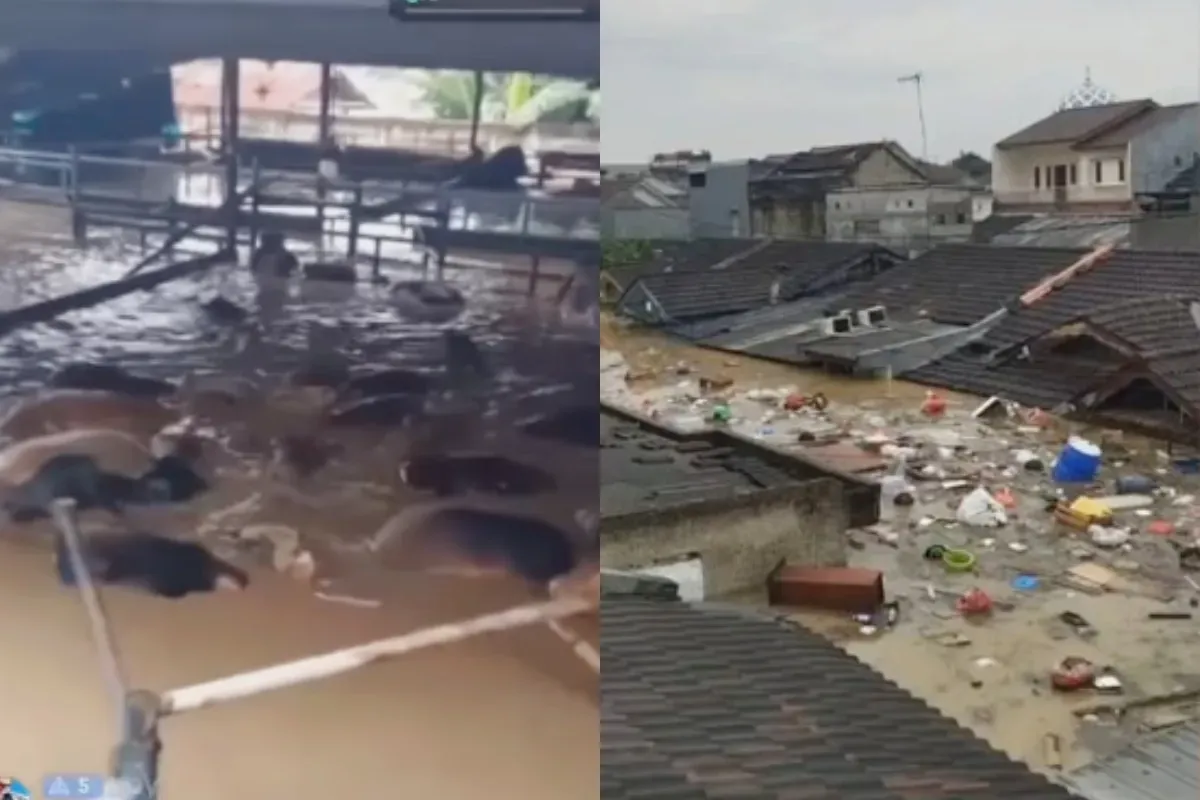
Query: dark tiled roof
(961, 284)
(704, 703)
(1184, 181)
(1159, 330)
(1164, 332)
(1044, 384)
(642, 470)
(1120, 135)
(1124, 275)
(1076, 124)
(683, 256)
(745, 284)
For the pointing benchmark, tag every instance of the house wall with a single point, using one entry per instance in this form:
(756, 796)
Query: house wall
(721, 207)
(881, 168)
(791, 219)
(1157, 155)
(1013, 183)
(982, 206)
(902, 216)
(738, 542)
(644, 223)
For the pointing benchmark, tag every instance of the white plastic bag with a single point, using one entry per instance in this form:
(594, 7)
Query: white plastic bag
(980, 510)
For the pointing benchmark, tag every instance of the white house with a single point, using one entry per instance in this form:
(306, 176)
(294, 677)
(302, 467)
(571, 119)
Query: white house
(1094, 159)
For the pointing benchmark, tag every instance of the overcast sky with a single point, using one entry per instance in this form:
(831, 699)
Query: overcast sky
(744, 78)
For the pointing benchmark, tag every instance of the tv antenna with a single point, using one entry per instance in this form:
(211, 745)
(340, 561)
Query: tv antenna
(916, 79)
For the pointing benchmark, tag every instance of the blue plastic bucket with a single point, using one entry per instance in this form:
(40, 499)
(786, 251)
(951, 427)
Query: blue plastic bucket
(1078, 462)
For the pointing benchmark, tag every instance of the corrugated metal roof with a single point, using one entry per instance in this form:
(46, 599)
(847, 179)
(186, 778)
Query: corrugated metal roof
(1164, 766)
(1072, 231)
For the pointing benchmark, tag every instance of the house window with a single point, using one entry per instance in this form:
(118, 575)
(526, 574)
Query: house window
(1037, 177)
(697, 180)
(961, 218)
(1120, 170)
(836, 205)
(940, 219)
(866, 227)
(1097, 171)
(909, 203)
(1074, 178)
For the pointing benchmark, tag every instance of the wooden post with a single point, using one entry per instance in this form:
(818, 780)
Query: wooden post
(352, 235)
(230, 116)
(255, 177)
(324, 148)
(74, 193)
(476, 111)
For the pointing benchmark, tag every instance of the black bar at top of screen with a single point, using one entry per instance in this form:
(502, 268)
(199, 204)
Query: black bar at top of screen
(453, 12)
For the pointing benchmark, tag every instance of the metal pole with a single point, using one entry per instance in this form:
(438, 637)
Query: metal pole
(917, 78)
(63, 512)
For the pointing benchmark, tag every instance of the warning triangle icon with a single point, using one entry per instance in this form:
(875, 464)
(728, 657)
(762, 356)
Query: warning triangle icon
(58, 788)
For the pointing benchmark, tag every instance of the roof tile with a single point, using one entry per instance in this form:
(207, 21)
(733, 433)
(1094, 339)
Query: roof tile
(707, 702)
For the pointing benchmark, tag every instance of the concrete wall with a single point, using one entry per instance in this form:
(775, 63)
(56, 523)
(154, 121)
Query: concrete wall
(644, 223)
(1013, 177)
(738, 541)
(721, 207)
(899, 215)
(1159, 154)
(881, 168)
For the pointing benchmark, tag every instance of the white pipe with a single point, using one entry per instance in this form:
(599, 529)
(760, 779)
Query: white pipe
(327, 665)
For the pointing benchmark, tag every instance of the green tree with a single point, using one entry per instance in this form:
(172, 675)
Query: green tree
(518, 99)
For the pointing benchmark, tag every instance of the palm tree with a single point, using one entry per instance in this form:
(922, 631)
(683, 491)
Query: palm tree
(518, 98)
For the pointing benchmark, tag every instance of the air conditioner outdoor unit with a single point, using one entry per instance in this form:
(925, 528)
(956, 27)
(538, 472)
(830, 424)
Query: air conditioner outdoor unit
(873, 316)
(837, 326)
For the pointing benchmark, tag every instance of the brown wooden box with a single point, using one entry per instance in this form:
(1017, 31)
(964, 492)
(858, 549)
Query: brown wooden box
(834, 588)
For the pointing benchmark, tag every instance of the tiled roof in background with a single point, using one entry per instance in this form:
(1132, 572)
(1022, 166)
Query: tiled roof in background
(745, 282)
(960, 284)
(1122, 276)
(709, 703)
(1074, 124)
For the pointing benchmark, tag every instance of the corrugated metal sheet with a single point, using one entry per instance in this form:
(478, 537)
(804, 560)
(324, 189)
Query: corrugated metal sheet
(1072, 231)
(1164, 766)
(775, 322)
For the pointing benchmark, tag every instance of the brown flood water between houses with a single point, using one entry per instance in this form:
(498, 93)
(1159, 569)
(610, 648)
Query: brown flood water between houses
(995, 685)
(511, 715)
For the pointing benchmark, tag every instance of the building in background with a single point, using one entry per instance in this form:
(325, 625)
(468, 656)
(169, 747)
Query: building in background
(719, 199)
(934, 209)
(642, 206)
(788, 193)
(1094, 159)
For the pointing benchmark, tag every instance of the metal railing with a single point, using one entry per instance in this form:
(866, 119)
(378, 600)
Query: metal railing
(159, 197)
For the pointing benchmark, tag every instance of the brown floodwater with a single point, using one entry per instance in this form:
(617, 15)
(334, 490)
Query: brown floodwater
(509, 715)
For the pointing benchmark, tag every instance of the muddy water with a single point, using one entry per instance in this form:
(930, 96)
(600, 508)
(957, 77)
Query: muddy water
(510, 715)
(656, 360)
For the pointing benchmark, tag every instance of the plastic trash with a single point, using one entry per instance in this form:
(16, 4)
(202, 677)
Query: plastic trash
(1104, 536)
(980, 510)
(1136, 484)
(895, 488)
(934, 405)
(1079, 461)
(1029, 460)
